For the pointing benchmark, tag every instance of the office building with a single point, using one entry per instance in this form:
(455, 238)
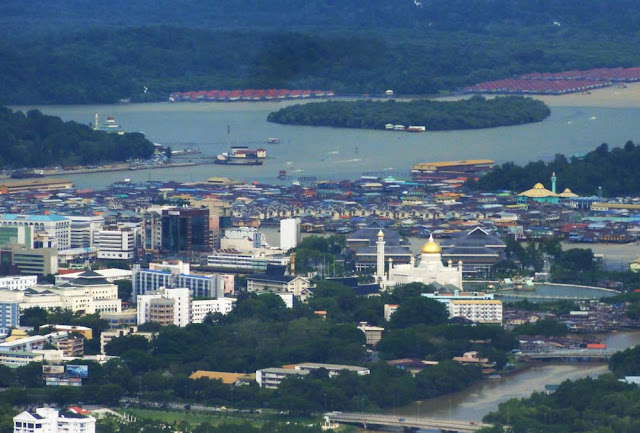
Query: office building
(55, 226)
(84, 229)
(176, 274)
(185, 230)
(290, 234)
(116, 243)
(244, 262)
(9, 316)
(41, 261)
(16, 235)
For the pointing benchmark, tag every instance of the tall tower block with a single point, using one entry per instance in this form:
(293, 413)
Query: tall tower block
(380, 257)
(553, 182)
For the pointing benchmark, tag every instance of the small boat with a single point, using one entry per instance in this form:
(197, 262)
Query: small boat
(273, 140)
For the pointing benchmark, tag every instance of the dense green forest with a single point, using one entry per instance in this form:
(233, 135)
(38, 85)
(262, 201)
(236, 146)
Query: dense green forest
(476, 112)
(616, 170)
(601, 405)
(64, 52)
(37, 140)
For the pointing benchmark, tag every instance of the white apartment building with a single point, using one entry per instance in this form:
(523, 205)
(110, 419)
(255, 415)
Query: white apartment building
(244, 261)
(482, 311)
(200, 308)
(165, 306)
(55, 226)
(272, 377)
(84, 229)
(478, 307)
(116, 244)
(18, 282)
(290, 233)
(49, 420)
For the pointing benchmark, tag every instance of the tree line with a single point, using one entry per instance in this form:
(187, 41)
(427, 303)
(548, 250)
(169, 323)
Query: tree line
(476, 112)
(148, 62)
(37, 140)
(610, 172)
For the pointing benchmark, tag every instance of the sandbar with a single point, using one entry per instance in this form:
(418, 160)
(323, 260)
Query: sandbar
(626, 95)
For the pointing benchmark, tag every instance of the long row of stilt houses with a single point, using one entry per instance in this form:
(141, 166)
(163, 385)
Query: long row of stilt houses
(247, 95)
(558, 83)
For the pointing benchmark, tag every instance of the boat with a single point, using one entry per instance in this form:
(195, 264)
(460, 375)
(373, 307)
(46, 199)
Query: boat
(241, 155)
(273, 140)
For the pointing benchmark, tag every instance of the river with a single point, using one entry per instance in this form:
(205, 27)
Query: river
(476, 401)
(334, 153)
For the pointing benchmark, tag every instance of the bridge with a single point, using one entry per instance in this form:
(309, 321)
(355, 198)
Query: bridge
(594, 355)
(444, 425)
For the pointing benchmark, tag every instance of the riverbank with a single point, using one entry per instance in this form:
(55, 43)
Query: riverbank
(607, 97)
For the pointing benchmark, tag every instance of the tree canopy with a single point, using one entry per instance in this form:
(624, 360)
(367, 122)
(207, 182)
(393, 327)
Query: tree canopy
(37, 140)
(476, 112)
(582, 174)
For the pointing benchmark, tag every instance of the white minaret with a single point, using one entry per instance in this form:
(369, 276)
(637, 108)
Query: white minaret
(380, 258)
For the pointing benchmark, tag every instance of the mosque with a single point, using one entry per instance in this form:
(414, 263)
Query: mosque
(542, 195)
(428, 270)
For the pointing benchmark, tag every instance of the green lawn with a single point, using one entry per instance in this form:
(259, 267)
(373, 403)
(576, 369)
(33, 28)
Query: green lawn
(196, 417)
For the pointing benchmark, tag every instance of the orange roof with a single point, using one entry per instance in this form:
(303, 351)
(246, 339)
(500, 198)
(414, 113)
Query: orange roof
(225, 377)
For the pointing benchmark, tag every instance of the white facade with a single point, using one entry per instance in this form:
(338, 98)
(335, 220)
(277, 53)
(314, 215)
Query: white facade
(482, 311)
(200, 309)
(176, 274)
(86, 299)
(179, 300)
(18, 282)
(290, 233)
(48, 420)
(56, 226)
(429, 269)
(84, 229)
(243, 239)
(116, 244)
(244, 262)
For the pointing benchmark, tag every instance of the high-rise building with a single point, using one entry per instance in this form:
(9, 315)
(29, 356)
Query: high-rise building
(116, 243)
(166, 307)
(290, 234)
(9, 316)
(84, 229)
(185, 230)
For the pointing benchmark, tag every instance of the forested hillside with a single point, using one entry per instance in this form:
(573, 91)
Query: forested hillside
(617, 171)
(36, 140)
(473, 113)
(66, 52)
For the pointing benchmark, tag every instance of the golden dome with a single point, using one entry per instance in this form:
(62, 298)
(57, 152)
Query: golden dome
(430, 247)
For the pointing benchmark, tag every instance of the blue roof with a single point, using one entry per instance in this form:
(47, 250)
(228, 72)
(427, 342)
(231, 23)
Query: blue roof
(16, 217)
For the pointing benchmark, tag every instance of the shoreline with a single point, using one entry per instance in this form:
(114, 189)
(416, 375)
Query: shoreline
(605, 97)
